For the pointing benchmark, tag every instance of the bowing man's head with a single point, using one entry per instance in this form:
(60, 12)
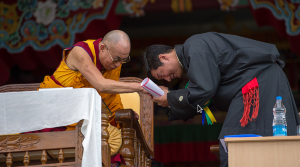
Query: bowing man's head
(114, 49)
(161, 62)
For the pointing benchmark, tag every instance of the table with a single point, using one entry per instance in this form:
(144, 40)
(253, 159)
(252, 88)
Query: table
(36, 110)
(275, 151)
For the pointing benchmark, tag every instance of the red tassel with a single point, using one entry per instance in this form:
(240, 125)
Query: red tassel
(250, 93)
(255, 103)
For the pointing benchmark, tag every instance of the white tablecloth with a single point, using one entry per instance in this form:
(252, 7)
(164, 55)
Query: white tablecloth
(35, 110)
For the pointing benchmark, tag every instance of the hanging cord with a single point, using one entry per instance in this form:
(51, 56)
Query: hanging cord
(106, 107)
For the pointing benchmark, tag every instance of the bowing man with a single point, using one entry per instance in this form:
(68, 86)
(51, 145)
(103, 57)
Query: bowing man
(238, 75)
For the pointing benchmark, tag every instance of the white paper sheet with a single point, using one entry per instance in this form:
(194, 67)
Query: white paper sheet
(152, 88)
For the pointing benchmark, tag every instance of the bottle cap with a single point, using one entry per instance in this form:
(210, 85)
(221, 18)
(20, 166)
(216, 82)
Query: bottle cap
(278, 98)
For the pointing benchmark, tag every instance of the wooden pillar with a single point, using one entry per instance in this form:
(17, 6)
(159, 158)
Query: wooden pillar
(61, 156)
(44, 157)
(135, 145)
(106, 152)
(9, 160)
(143, 158)
(26, 159)
(139, 154)
(148, 162)
(127, 149)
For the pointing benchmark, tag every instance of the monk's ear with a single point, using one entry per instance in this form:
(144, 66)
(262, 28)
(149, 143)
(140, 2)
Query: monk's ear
(102, 47)
(163, 57)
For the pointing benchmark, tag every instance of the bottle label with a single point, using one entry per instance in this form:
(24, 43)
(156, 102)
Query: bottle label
(279, 130)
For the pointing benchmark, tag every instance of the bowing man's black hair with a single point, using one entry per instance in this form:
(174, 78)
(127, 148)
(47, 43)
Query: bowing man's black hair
(151, 59)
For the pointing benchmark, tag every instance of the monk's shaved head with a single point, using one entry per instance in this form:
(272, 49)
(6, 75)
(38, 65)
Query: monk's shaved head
(116, 37)
(114, 48)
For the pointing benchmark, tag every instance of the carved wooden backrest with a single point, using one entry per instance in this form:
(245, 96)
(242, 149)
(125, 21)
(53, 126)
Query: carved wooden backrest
(146, 113)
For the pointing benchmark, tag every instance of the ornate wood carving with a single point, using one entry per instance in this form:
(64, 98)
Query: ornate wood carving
(26, 159)
(9, 160)
(19, 87)
(148, 162)
(16, 142)
(142, 157)
(106, 152)
(139, 154)
(129, 123)
(127, 150)
(135, 146)
(147, 119)
(79, 143)
(44, 157)
(61, 156)
(126, 117)
(78, 148)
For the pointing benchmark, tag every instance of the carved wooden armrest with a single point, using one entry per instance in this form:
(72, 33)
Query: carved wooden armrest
(135, 150)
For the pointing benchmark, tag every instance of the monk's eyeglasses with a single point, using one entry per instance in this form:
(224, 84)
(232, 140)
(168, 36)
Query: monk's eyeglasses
(118, 59)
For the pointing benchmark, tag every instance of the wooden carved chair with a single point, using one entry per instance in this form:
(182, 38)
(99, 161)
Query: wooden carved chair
(65, 149)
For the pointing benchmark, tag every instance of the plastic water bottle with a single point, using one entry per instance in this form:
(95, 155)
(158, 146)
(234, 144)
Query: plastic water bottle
(279, 121)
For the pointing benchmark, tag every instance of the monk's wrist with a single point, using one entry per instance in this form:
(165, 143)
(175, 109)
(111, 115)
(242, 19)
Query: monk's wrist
(138, 87)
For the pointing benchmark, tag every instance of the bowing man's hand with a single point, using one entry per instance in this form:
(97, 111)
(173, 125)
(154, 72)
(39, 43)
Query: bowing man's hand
(144, 91)
(162, 101)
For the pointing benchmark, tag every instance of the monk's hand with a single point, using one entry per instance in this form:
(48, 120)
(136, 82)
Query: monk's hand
(162, 100)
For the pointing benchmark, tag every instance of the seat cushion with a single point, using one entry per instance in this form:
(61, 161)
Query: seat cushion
(131, 101)
(114, 140)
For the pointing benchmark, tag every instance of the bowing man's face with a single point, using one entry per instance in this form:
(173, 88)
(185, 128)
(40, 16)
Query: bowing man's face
(111, 57)
(170, 69)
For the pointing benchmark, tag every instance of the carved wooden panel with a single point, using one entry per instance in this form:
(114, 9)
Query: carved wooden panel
(37, 141)
(135, 146)
(19, 87)
(147, 114)
(146, 119)
(16, 142)
(106, 152)
(79, 144)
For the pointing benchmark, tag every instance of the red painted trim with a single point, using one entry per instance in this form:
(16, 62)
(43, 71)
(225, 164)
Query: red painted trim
(96, 46)
(86, 47)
